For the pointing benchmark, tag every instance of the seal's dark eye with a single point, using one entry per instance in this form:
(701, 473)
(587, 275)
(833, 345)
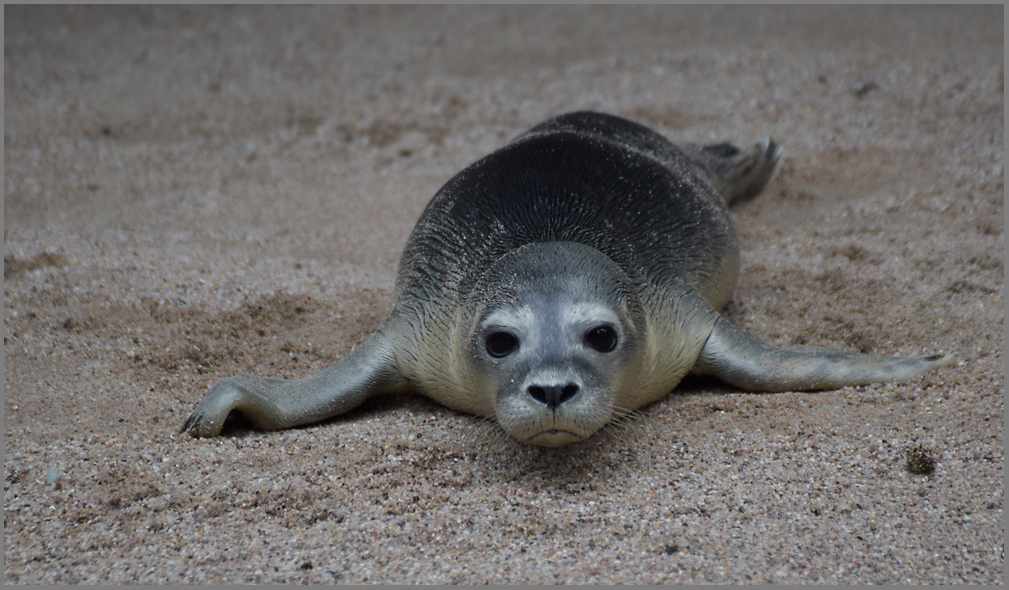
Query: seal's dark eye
(601, 339)
(501, 344)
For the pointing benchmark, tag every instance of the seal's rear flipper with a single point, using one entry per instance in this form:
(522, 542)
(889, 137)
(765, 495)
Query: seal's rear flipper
(736, 357)
(738, 175)
(272, 404)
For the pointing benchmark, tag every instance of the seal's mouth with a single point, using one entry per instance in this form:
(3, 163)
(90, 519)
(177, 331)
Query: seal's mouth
(554, 438)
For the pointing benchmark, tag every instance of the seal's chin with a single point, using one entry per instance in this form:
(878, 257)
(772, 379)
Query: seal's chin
(554, 438)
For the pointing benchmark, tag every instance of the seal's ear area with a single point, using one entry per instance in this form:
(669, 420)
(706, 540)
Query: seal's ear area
(272, 404)
(738, 175)
(738, 358)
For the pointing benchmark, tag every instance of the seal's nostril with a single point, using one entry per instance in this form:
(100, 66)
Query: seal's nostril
(538, 393)
(568, 391)
(553, 395)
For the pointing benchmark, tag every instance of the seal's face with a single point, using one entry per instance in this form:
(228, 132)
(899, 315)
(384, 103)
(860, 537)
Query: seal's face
(554, 351)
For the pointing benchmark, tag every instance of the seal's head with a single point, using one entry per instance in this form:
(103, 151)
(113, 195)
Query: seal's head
(554, 340)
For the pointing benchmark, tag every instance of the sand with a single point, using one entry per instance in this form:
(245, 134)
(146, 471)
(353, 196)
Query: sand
(194, 193)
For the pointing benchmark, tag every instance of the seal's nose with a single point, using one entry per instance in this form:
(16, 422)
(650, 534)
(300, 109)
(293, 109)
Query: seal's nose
(553, 395)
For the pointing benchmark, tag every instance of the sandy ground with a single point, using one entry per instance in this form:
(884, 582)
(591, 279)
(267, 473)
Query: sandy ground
(190, 194)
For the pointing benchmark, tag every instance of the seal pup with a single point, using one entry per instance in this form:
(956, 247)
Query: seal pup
(560, 283)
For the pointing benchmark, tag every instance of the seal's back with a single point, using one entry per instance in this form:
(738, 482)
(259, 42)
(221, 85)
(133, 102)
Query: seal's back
(583, 177)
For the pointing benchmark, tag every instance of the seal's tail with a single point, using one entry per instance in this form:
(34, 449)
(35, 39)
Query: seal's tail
(738, 175)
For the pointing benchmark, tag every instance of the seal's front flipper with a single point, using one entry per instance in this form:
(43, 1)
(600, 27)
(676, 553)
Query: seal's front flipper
(736, 357)
(738, 175)
(272, 404)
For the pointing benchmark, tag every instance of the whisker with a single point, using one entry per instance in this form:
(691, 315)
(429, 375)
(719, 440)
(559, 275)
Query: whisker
(484, 435)
(631, 428)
